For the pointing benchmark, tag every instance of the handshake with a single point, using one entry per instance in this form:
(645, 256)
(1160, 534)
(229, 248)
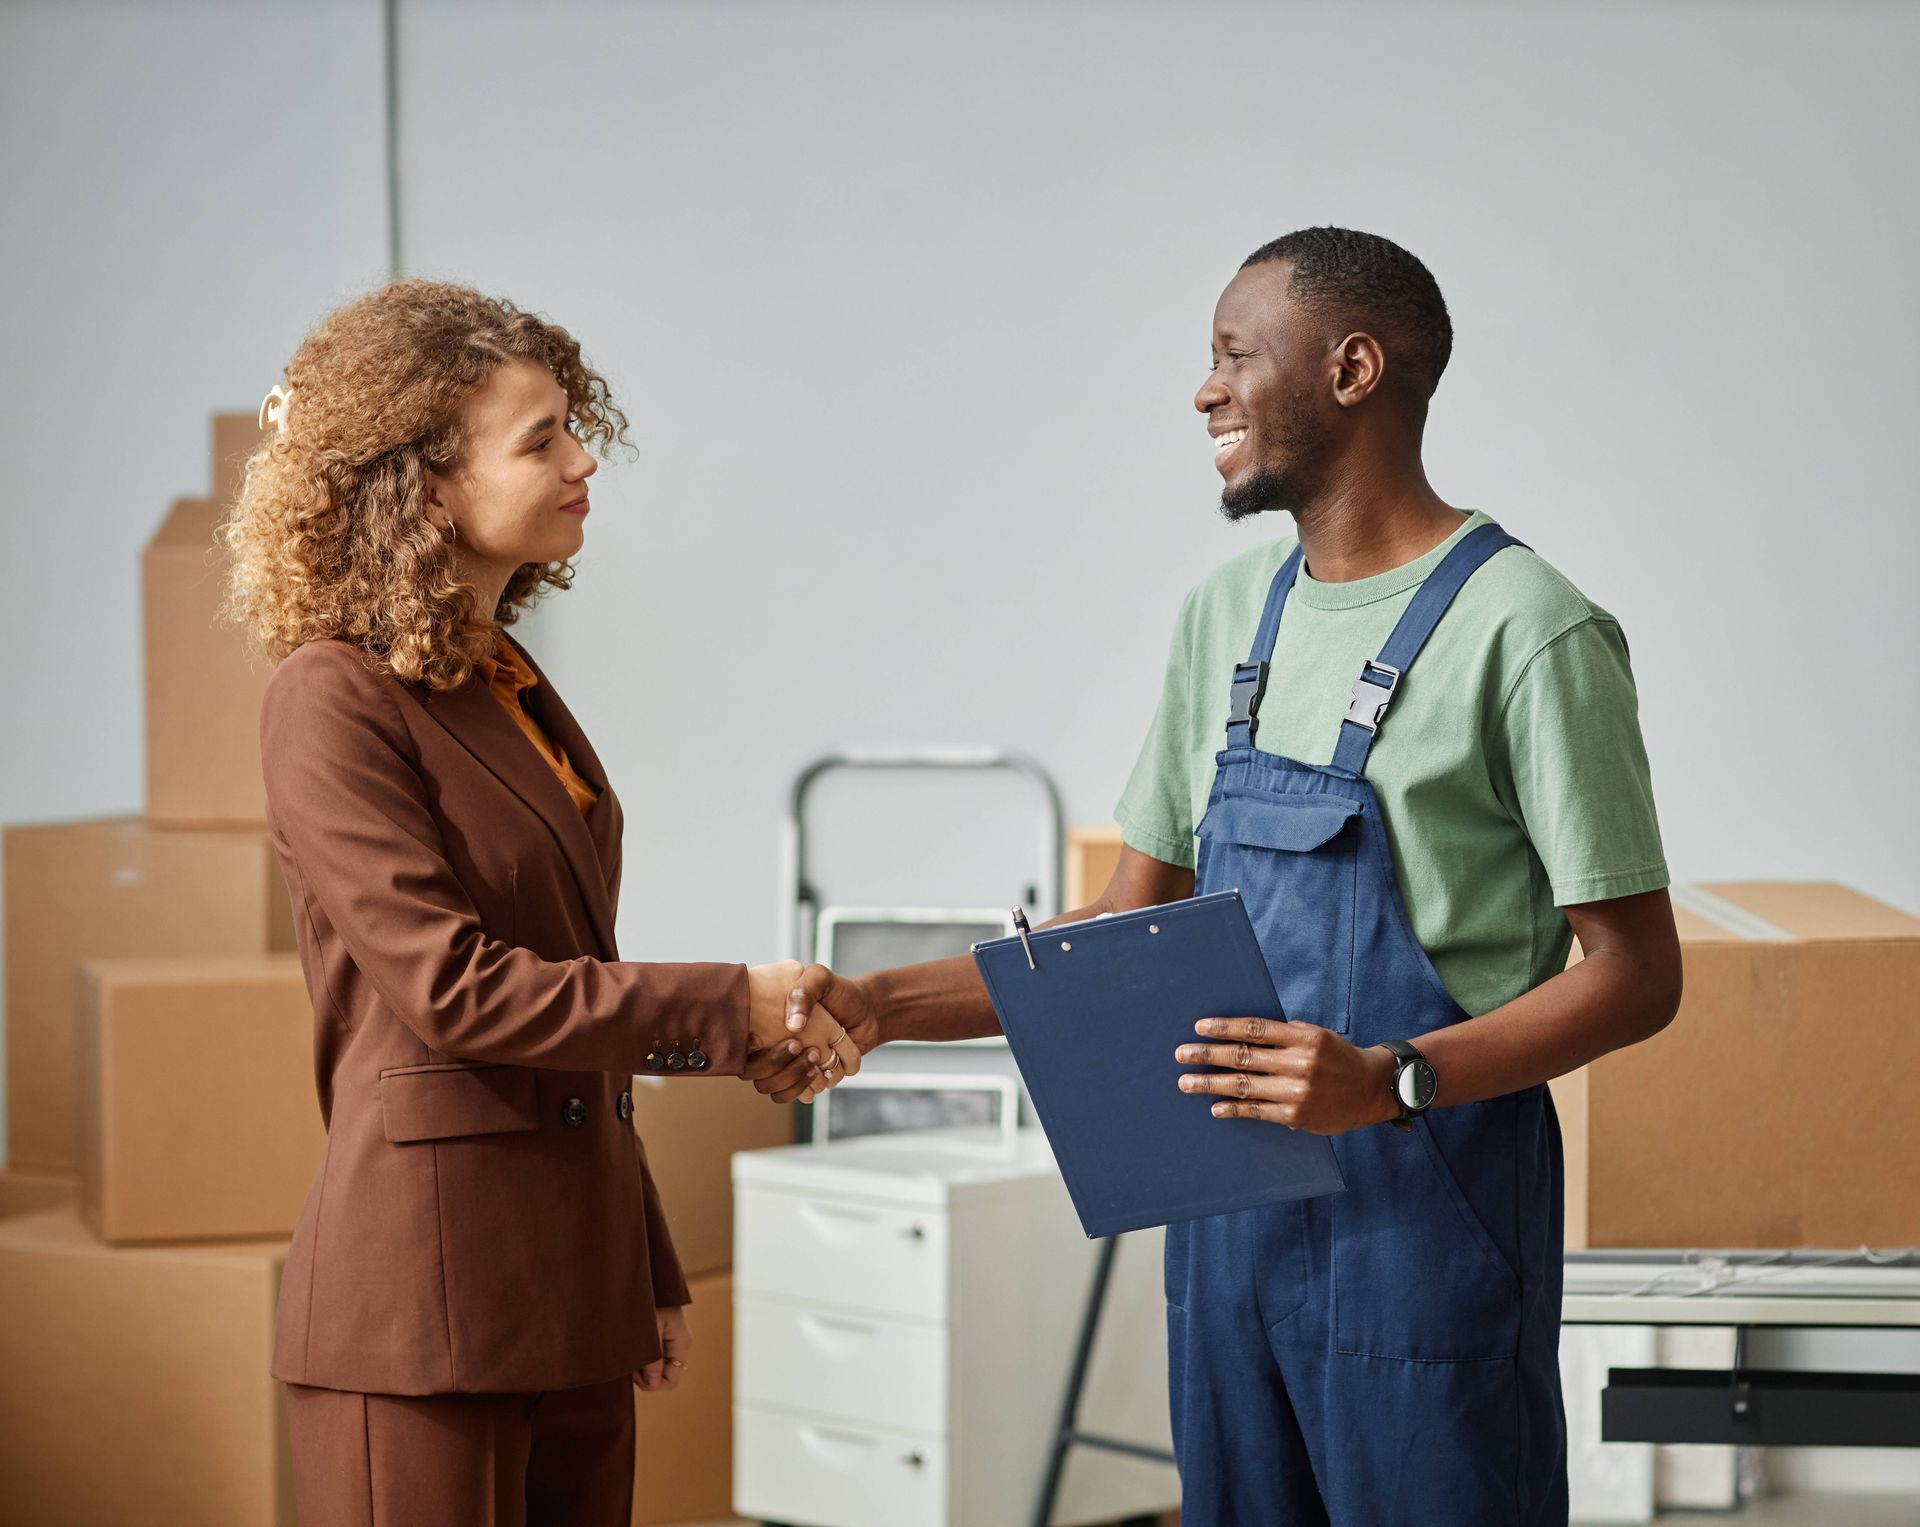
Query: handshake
(806, 1029)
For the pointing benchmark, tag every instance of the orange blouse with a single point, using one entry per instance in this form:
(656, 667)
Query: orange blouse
(506, 674)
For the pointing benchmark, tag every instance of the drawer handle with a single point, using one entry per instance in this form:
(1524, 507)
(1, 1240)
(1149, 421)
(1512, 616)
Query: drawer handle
(828, 1211)
(836, 1449)
(831, 1434)
(826, 1335)
(915, 1232)
(915, 1460)
(837, 1323)
(837, 1226)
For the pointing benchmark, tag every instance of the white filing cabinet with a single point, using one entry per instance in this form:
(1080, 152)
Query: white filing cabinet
(905, 1312)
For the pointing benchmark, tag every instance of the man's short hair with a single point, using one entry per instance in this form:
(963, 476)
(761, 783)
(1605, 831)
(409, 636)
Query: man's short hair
(1360, 281)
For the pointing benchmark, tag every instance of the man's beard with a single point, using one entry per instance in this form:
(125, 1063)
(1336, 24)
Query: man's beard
(1266, 489)
(1300, 440)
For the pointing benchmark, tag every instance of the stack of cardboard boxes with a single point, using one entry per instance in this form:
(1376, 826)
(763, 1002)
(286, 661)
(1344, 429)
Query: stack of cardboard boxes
(163, 1130)
(161, 1126)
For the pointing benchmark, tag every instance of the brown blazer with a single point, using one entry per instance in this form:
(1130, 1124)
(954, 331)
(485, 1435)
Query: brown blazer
(484, 1220)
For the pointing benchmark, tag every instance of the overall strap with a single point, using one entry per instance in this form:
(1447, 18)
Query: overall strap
(1380, 677)
(1250, 677)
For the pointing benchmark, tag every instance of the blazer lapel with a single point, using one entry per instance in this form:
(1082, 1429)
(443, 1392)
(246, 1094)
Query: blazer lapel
(482, 726)
(604, 818)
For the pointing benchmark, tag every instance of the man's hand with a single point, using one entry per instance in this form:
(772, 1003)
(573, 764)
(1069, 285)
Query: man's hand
(1292, 1073)
(676, 1342)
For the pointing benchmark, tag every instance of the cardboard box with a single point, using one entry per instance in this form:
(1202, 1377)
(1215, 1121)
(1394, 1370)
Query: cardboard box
(691, 1127)
(197, 1104)
(104, 889)
(203, 691)
(134, 1384)
(683, 1438)
(30, 1192)
(1775, 1110)
(1092, 853)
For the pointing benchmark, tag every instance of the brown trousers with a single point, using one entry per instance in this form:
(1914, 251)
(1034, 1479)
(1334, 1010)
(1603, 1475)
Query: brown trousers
(564, 1456)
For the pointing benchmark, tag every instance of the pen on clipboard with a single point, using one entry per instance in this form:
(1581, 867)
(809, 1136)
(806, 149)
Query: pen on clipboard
(1021, 927)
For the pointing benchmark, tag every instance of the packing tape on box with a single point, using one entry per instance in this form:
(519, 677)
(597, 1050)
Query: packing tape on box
(1725, 915)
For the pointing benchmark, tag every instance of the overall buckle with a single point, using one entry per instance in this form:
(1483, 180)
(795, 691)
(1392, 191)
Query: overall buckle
(1371, 697)
(1249, 684)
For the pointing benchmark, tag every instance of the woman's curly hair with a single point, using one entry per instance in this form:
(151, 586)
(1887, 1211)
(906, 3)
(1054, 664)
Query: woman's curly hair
(330, 536)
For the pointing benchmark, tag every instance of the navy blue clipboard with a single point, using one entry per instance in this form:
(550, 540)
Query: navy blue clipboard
(1093, 1025)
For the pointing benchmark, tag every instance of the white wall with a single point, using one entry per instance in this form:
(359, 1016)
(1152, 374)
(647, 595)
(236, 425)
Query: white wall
(183, 190)
(909, 304)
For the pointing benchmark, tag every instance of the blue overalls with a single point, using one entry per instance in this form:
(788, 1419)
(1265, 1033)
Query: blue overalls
(1388, 1354)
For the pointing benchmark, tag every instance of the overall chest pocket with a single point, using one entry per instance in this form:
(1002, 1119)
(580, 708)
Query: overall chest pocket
(1295, 861)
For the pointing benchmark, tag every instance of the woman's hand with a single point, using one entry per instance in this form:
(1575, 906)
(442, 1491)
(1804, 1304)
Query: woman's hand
(771, 1048)
(791, 1057)
(767, 988)
(676, 1342)
(780, 1071)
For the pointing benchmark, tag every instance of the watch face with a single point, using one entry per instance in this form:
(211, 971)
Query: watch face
(1416, 1084)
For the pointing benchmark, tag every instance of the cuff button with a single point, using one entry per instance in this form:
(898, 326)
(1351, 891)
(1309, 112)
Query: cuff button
(676, 1062)
(656, 1061)
(698, 1061)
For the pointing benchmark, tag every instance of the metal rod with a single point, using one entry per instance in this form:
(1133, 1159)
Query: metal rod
(1076, 1380)
(390, 21)
(1115, 1445)
(802, 902)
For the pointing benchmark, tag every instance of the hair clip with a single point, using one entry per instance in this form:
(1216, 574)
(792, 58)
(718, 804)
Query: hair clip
(273, 408)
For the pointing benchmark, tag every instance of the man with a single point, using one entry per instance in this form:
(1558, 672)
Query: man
(1416, 844)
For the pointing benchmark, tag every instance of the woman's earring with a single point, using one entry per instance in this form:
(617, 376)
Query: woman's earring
(450, 533)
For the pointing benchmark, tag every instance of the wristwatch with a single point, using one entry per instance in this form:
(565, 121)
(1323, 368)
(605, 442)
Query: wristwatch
(1414, 1081)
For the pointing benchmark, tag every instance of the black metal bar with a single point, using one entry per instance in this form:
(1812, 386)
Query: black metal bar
(1063, 1436)
(1770, 1408)
(390, 36)
(1117, 1445)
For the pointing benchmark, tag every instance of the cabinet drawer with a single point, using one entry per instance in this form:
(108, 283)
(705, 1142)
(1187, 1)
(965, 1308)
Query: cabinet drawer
(871, 1258)
(835, 1363)
(790, 1468)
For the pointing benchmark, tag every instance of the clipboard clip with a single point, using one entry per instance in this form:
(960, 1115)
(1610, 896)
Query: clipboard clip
(1023, 928)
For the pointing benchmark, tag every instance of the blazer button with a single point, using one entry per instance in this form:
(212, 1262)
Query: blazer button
(656, 1061)
(575, 1113)
(676, 1062)
(623, 1105)
(697, 1061)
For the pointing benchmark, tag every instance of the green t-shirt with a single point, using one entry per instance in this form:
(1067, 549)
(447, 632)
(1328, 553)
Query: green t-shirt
(1510, 769)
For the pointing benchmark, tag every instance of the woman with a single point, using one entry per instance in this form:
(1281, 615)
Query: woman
(482, 1270)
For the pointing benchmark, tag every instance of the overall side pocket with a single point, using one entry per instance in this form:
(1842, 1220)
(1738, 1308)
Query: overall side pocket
(1415, 1273)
